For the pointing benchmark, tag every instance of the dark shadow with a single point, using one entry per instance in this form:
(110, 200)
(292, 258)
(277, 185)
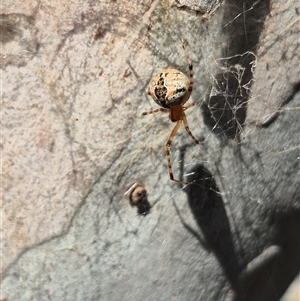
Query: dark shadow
(144, 208)
(243, 23)
(268, 276)
(208, 209)
(225, 109)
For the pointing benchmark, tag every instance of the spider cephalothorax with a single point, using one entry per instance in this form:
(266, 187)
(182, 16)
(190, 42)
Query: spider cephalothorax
(171, 89)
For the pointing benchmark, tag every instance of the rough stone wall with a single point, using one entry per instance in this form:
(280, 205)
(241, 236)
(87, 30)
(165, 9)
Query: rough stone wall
(74, 76)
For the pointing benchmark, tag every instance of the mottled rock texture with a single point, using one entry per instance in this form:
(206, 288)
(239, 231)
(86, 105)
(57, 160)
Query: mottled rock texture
(74, 76)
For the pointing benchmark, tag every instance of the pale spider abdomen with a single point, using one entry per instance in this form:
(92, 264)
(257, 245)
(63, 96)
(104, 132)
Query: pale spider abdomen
(168, 88)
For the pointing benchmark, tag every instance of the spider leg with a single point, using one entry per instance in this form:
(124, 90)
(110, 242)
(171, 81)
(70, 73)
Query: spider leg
(191, 72)
(188, 129)
(168, 151)
(189, 106)
(155, 111)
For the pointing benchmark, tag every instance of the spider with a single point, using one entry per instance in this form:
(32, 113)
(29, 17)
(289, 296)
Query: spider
(171, 89)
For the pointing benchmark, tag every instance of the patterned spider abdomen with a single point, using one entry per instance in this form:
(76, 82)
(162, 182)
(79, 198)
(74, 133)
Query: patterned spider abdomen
(168, 88)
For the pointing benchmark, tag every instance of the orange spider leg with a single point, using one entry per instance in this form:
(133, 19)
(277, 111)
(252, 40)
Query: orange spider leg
(168, 151)
(191, 72)
(155, 111)
(188, 129)
(189, 106)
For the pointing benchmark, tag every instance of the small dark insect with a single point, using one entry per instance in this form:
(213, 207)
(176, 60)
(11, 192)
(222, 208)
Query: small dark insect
(99, 33)
(136, 194)
(126, 73)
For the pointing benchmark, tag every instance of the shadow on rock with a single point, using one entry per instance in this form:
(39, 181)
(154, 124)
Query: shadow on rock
(208, 209)
(267, 276)
(225, 109)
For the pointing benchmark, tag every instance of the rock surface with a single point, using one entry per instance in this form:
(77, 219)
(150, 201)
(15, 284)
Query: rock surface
(74, 77)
